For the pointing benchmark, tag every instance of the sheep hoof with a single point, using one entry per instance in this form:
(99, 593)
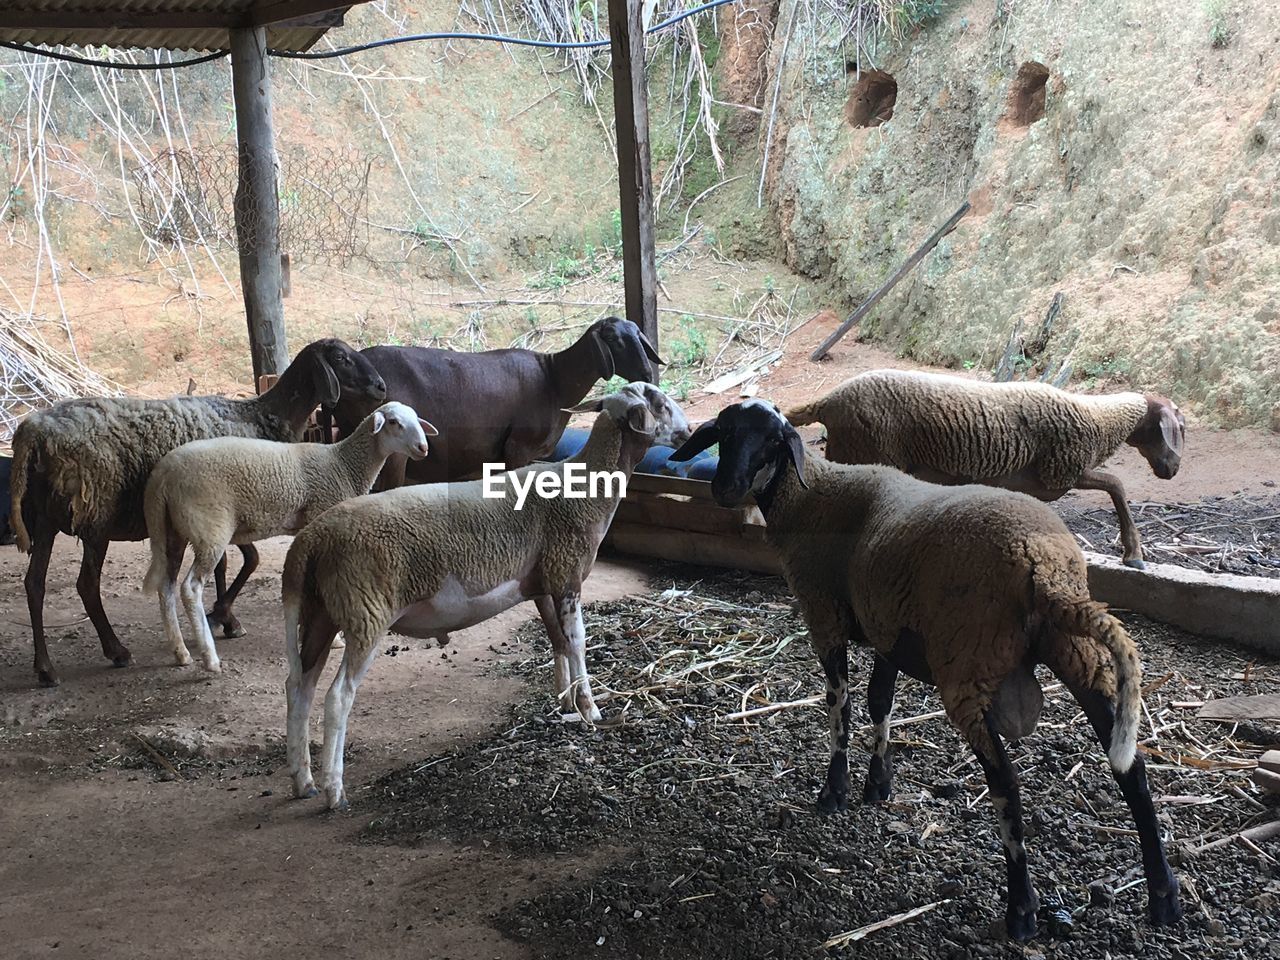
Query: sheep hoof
(229, 626)
(338, 802)
(121, 660)
(47, 678)
(181, 657)
(1164, 908)
(832, 801)
(876, 791)
(1021, 926)
(305, 792)
(1135, 562)
(213, 666)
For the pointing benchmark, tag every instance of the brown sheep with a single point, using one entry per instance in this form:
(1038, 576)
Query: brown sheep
(965, 588)
(1030, 437)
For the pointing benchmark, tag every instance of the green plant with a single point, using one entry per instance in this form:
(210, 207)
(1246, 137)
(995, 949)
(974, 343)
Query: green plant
(1108, 368)
(1219, 30)
(690, 350)
(679, 386)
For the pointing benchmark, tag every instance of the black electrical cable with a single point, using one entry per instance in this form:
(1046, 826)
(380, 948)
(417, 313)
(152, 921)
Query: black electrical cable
(493, 37)
(124, 65)
(372, 45)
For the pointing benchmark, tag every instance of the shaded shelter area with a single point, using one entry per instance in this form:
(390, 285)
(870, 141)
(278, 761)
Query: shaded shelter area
(252, 31)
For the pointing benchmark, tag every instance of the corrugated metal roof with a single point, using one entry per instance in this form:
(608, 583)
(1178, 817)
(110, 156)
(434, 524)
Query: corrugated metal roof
(196, 25)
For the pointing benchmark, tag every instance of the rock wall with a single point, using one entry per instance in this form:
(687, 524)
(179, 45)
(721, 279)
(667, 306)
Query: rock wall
(1126, 154)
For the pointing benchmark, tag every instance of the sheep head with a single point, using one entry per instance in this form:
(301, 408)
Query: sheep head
(644, 409)
(338, 370)
(622, 349)
(1160, 435)
(400, 430)
(756, 443)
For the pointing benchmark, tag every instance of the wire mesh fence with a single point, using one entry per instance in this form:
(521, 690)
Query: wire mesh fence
(189, 196)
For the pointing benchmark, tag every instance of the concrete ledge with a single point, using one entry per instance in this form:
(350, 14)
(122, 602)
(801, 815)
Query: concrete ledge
(1220, 605)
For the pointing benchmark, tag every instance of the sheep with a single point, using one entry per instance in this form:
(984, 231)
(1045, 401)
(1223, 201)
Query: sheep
(6, 473)
(81, 468)
(497, 406)
(965, 588)
(1029, 436)
(211, 493)
(430, 559)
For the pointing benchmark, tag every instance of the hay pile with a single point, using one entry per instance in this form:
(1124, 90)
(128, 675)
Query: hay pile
(34, 374)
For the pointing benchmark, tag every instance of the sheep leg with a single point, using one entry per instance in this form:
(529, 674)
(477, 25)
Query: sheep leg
(1020, 911)
(880, 691)
(193, 600)
(168, 595)
(42, 538)
(305, 666)
(560, 649)
(833, 797)
(1162, 886)
(89, 585)
(1101, 480)
(221, 616)
(356, 660)
(569, 613)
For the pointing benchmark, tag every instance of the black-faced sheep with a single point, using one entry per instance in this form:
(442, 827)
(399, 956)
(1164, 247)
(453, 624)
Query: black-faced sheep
(81, 468)
(966, 588)
(1030, 437)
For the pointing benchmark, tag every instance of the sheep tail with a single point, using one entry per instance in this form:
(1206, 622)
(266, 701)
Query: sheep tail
(1088, 618)
(811, 412)
(156, 511)
(299, 572)
(24, 444)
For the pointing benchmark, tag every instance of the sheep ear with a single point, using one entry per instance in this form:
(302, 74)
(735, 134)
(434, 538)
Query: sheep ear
(379, 420)
(427, 428)
(1171, 430)
(604, 358)
(641, 420)
(326, 382)
(650, 350)
(586, 406)
(795, 445)
(703, 437)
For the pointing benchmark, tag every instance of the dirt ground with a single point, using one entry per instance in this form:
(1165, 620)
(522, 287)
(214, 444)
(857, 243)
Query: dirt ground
(99, 859)
(708, 844)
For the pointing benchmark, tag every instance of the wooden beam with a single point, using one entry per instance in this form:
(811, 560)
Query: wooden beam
(257, 204)
(889, 284)
(322, 12)
(264, 14)
(635, 179)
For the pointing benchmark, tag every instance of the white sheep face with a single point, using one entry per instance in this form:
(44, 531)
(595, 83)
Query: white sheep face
(400, 430)
(670, 427)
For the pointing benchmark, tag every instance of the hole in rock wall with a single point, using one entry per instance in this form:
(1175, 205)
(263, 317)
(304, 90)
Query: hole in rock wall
(872, 99)
(1026, 96)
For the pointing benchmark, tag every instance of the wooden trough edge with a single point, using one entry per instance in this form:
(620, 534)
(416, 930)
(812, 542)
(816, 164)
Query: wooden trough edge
(657, 521)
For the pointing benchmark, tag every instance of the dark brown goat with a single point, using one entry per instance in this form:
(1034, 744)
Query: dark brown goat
(497, 406)
(81, 468)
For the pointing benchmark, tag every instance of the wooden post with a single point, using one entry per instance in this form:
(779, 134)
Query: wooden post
(889, 284)
(635, 180)
(257, 205)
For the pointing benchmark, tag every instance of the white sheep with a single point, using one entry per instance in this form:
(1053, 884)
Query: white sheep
(81, 468)
(1030, 437)
(212, 493)
(966, 588)
(428, 560)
